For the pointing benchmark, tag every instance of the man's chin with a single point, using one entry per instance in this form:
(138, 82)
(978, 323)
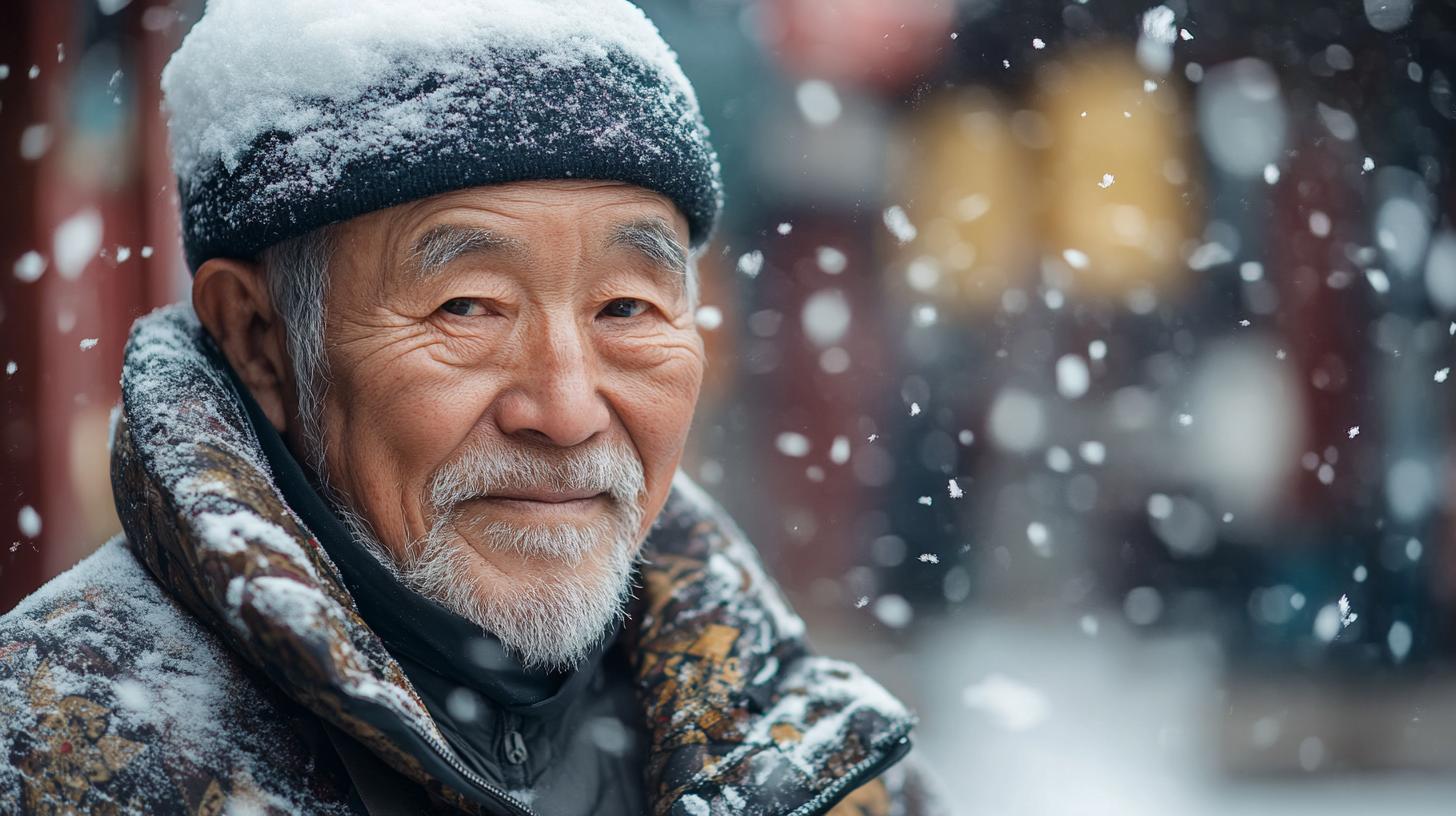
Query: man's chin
(547, 612)
(553, 535)
(491, 563)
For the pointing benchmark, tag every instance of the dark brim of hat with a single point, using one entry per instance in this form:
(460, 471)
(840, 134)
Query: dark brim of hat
(482, 123)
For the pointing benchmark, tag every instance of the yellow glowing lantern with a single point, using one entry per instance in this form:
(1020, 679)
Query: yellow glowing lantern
(1115, 177)
(965, 186)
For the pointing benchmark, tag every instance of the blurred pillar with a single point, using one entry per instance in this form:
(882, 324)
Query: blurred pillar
(93, 203)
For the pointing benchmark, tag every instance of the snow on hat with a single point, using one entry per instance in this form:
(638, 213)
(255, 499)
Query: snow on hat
(286, 115)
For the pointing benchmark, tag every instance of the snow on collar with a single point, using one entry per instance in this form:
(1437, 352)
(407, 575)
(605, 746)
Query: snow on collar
(200, 509)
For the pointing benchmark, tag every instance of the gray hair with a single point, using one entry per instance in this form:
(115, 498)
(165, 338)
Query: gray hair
(297, 275)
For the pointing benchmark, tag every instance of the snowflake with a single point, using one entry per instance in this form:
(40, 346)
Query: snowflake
(929, 558)
(750, 263)
(1346, 616)
(955, 490)
(898, 223)
(1354, 431)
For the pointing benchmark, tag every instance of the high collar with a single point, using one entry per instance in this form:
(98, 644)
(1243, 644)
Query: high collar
(738, 711)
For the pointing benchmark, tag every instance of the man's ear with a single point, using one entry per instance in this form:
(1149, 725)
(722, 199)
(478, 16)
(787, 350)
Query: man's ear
(231, 299)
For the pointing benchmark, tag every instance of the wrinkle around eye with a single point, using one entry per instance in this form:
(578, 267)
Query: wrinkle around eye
(457, 340)
(378, 350)
(657, 346)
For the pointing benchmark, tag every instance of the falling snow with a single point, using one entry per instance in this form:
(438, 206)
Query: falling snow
(750, 263)
(29, 522)
(899, 224)
(1347, 617)
(792, 444)
(830, 260)
(29, 267)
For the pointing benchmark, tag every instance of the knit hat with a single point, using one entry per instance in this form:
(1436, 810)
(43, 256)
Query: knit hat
(286, 115)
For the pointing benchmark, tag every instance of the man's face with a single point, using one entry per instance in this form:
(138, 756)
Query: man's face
(512, 373)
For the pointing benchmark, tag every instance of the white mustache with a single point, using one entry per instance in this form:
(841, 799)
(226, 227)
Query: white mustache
(610, 467)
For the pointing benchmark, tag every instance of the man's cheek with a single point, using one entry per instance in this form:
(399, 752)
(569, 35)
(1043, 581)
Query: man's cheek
(654, 353)
(426, 418)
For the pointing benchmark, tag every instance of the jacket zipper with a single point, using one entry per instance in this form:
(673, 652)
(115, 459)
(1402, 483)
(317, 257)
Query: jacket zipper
(445, 753)
(898, 745)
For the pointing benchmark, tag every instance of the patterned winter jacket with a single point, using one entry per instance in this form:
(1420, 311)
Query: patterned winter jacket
(194, 664)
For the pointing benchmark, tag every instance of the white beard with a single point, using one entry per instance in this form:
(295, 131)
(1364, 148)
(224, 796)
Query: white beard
(554, 619)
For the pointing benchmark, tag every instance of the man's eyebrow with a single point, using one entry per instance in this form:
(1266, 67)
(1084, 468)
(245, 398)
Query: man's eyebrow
(443, 244)
(657, 240)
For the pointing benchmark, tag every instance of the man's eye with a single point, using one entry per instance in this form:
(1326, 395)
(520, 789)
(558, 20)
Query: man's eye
(624, 307)
(463, 307)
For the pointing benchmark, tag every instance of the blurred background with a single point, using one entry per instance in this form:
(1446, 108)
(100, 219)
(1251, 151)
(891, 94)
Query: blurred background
(1080, 368)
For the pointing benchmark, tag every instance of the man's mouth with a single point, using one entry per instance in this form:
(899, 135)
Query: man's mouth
(533, 506)
(546, 496)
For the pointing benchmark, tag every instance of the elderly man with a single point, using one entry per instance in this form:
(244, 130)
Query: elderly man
(403, 525)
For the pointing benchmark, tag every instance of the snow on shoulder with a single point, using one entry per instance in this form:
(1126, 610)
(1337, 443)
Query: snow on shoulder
(249, 67)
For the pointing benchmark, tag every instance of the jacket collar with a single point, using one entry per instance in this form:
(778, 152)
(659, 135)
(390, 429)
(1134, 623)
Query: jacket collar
(739, 713)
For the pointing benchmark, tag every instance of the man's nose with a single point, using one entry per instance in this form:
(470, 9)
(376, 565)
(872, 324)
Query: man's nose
(554, 397)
